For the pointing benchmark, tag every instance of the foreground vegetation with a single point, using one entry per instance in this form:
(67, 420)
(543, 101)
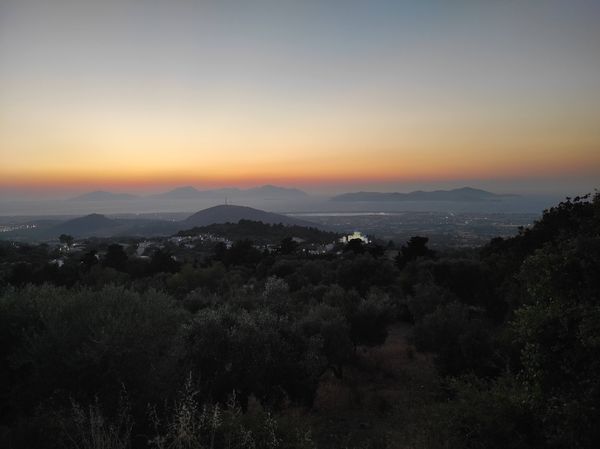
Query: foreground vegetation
(497, 347)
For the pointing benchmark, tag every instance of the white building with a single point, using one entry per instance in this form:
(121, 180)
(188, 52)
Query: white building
(355, 235)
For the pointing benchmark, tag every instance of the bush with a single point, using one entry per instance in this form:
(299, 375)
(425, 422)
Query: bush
(78, 343)
(461, 344)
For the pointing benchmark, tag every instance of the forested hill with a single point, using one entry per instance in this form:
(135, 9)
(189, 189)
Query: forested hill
(228, 213)
(258, 231)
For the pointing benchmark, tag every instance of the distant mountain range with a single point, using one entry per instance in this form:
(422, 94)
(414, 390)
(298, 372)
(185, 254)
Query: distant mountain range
(98, 225)
(274, 192)
(463, 194)
(271, 192)
(187, 192)
(101, 195)
(265, 192)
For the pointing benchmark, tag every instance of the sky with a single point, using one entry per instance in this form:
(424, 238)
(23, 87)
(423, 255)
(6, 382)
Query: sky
(324, 95)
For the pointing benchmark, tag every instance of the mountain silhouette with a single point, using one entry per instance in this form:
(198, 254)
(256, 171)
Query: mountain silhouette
(274, 192)
(233, 214)
(262, 192)
(98, 225)
(186, 192)
(265, 192)
(462, 194)
(93, 224)
(101, 195)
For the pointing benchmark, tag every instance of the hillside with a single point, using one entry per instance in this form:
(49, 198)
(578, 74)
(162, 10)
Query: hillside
(261, 232)
(87, 225)
(233, 214)
(99, 225)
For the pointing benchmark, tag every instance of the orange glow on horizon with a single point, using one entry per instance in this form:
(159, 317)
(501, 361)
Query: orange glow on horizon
(140, 179)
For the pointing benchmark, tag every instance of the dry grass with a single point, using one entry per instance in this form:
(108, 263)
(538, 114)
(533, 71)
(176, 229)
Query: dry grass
(376, 402)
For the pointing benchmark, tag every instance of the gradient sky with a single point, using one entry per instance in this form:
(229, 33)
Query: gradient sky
(145, 94)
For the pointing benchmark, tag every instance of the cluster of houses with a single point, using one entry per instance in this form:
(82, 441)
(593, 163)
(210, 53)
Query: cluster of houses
(143, 249)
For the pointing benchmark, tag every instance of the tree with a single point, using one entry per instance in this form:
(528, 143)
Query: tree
(415, 248)
(461, 345)
(368, 323)
(242, 252)
(78, 343)
(331, 328)
(66, 239)
(560, 339)
(220, 251)
(376, 250)
(490, 415)
(115, 257)
(355, 246)
(363, 272)
(89, 259)
(288, 246)
(162, 262)
(251, 352)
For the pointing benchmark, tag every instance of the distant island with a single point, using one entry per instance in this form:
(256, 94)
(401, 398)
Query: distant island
(462, 194)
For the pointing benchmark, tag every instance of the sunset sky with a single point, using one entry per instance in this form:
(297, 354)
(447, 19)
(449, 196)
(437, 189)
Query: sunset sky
(141, 95)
